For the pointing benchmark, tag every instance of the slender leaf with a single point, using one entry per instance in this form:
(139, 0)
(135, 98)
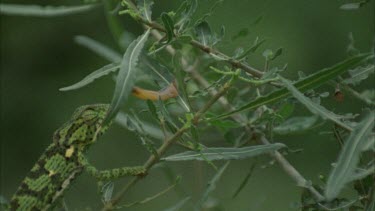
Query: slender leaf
(188, 8)
(179, 205)
(244, 182)
(92, 76)
(252, 49)
(314, 107)
(354, 5)
(150, 198)
(359, 74)
(204, 34)
(144, 7)
(150, 130)
(107, 191)
(295, 124)
(221, 153)
(310, 82)
(168, 25)
(126, 76)
(363, 173)
(211, 185)
(152, 109)
(98, 48)
(278, 52)
(43, 11)
(349, 156)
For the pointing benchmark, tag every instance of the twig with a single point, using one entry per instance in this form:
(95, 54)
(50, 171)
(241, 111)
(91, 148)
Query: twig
(235, 63)
(162, 149)
(288, 168)
(283, 162)
(292, 172)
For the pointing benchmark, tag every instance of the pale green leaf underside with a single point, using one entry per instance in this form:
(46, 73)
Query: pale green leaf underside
(310, 82)
(92, 76)
(314, 107)
(349, 156)
(43, 11)
(219, 153)
(126, 76)
(98, 48)
(295, 124)
(211, 185)
(179, 205)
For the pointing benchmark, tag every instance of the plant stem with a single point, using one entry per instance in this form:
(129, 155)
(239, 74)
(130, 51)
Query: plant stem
(287, 167)
(163, 148)
(282, 161)
(235, 63)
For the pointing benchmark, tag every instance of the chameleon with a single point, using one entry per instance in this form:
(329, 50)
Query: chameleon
(64, 160)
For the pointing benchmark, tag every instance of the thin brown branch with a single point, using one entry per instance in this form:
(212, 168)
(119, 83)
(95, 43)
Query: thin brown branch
(163, 148)
(207, 49)
(287, 167)
(282, 161)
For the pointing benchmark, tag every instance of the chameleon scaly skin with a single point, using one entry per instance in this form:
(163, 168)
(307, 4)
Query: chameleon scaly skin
(64, 160)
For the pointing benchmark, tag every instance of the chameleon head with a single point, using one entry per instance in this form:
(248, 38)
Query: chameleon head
(84, 127)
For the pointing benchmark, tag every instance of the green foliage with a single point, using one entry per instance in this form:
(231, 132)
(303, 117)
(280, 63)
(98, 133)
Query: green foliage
(344, 169)
(126, 76)
(216, 99)
(219, 153)
(179, 205)
(46, 11)
(314, 107)
(354, 5)
(305, 84)
(295, 124)
(211, 185)
(98, 48)
(92, 76)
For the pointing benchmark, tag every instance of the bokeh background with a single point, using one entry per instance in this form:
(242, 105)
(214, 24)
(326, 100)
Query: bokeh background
(39, 56)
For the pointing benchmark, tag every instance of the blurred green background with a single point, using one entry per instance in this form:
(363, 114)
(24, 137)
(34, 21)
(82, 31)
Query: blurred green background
(39, 56)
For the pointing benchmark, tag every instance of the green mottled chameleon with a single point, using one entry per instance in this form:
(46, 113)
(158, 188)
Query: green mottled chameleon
(64, 160)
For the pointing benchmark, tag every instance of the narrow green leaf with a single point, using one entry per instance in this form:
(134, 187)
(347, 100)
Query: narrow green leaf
(314, 107)
(107, 191)
(155, 196)
(144, 7)
(359, 74)
(126, 76)
(349, 156)
(363, 173)
(295, 124)
(354, 5)
(204, 34)
(179, 205)
(211, 185)
(278, 52)
(221, 153)
(152, 109)
(181, 85)
(252, 49)
(225, 124)
(147, 129)
(310, 82)
(184, 14)
(168, 25)
(98, 48)
(92, 76)
(242, 33)
(43, 11)
(244, 182)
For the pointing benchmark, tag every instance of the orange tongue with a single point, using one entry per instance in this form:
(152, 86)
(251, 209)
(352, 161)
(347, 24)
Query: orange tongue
(169, 92)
